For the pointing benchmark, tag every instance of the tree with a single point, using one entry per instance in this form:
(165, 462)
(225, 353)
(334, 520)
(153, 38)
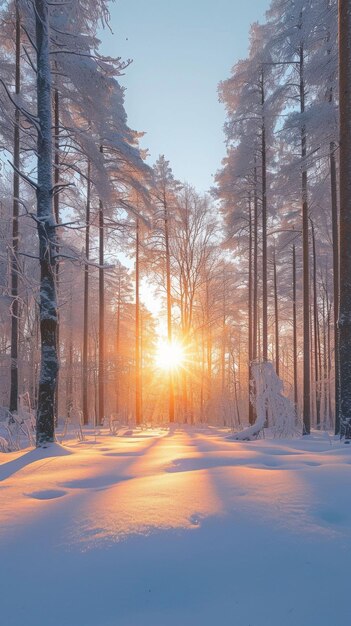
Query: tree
(15, 231)
(345, 217)
(164, 190)
(46, 231)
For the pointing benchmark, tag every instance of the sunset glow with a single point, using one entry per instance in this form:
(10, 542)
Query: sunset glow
(169, 356)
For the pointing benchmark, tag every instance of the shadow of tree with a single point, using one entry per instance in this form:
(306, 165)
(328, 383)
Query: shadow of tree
(10, 468)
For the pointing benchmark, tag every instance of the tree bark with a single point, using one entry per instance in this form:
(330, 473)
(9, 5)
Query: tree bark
(335, 234)
(255, 272)
(305, 254)
(57, 218)
(250, 324)
(264, 228)
(295, 332)
(344, 322)
(137, 330)
(208, 343)
(13, 405)
(169, 308)
(276, 315)
(45, 429)
(118, 332)
(317, 371)
(86, 304)
(101, 383)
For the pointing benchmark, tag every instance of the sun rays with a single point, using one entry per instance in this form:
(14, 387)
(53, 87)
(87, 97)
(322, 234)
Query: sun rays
(169, 356)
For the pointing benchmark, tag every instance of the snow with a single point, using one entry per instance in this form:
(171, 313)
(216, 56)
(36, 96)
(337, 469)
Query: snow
(176, 527)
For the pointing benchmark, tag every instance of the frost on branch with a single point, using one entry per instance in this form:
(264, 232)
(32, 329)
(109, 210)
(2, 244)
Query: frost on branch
(271, 405)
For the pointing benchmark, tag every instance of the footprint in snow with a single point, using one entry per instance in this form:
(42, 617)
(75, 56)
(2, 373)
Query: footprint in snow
(96, 482)
(47, 494)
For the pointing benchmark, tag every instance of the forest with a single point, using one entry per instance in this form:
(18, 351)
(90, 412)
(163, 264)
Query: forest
(175, 365)
(244, 276)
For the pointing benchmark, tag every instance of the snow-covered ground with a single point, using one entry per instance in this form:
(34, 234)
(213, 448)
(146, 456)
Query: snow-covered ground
(176, 528)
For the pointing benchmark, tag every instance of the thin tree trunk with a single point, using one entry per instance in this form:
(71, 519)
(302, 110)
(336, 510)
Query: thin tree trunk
(118, 332)
(325, 357)
(329, 364)
(184, 398)
(141, 364)
(236, 394)
(250, 346)
(101, 382)
(209, 344)
(344, 322)
(224, 319)
(137, 330)
(95, 376)
(169, 308)
(255, 272)
(264, 228)
(14, 260)
(317, 372)
(57, 218)
(305, 254)
(69, 369)
(335, 239)
(276, 315)
(47, 234)
(86, 303)
(295, 332)
(202, 372)
(335, 233)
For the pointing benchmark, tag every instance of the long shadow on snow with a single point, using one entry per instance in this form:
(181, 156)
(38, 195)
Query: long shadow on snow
(9, 468)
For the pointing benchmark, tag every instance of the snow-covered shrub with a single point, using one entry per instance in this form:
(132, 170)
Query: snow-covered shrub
(272, 408)
(17, 431)
(72, 427)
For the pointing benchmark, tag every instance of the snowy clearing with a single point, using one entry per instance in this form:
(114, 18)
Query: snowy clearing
(170, 528)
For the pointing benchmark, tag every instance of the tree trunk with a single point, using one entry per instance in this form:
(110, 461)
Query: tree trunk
(255, 273)
(86, 305)
(295, 332)
(325, 365)
(224, 338)
(276, 315)
(57, 218)
(47, 234)
(118, 332)
(14, 260)
(305, 254)
(137, 331)
(335, 239)
(317, 371)
(202, 371)
(335, 233)
(344, 322)
(250, 346)
(169, 309)
(69, 360)
(101, 383)
(209, 344)
(264, 229)
(236, 395)
(329, 364)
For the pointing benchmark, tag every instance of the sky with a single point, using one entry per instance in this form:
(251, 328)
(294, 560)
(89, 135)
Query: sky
(180, 49)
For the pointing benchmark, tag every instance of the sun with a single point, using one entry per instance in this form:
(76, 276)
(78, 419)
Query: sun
(169, 355)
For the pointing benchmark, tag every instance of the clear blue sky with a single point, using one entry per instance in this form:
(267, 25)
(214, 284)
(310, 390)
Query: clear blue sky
(181, 49)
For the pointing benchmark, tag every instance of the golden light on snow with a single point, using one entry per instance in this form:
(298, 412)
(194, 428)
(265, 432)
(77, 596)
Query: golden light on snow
(169, 355)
